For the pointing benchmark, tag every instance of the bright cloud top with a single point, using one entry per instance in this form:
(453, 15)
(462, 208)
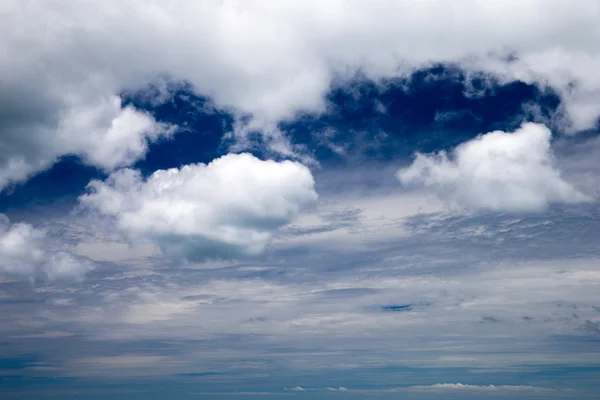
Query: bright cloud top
(225, 209)
(265, 58)
(497, 171)
(26, 253)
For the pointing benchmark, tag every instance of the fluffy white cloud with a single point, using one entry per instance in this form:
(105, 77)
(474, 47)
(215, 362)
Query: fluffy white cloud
(226, 209)
(103, 134)
(62, 63)
(497, 171)
(25, 252)
(109, 136)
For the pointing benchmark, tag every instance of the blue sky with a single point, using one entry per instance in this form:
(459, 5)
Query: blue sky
(300, 200)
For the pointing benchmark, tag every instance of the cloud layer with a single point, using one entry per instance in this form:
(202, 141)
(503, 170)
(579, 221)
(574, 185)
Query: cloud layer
(225, 209)
(498, 171)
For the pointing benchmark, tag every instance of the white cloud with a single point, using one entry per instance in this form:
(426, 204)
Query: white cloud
(103, 134)
(226, 209)
(442, 388)
(570, 73)
(24, 252)
(266, 58)
(20, 252)
(296, 389)
(109, 136)
(339, 389)
(481, 388)
(498, 171)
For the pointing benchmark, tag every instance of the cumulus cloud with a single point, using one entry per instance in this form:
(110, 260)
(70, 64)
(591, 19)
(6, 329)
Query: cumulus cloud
(228, 208)
(266, 59)
(25, 252)
(103, 134)
(110, 136)
(498, 171)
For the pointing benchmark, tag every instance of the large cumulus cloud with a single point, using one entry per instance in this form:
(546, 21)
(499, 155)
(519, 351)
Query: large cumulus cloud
(226, 209)
(497, 171)
(266, 58)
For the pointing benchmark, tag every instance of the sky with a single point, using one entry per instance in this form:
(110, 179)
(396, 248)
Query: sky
(335, 199)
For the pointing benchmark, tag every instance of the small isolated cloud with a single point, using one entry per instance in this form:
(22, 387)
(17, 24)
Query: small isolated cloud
(498, 171)
(228, 208)
(339, 389)
(296, 389)
(25, 253)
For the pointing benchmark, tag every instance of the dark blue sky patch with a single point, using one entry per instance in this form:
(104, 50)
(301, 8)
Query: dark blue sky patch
(397, 308)
(201, 127)
(432, 110)
(62, 183)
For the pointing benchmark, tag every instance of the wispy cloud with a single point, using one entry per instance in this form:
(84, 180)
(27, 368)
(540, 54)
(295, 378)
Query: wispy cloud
(523, 390)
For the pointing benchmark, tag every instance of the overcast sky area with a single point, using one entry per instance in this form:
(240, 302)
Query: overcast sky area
(311, 199)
